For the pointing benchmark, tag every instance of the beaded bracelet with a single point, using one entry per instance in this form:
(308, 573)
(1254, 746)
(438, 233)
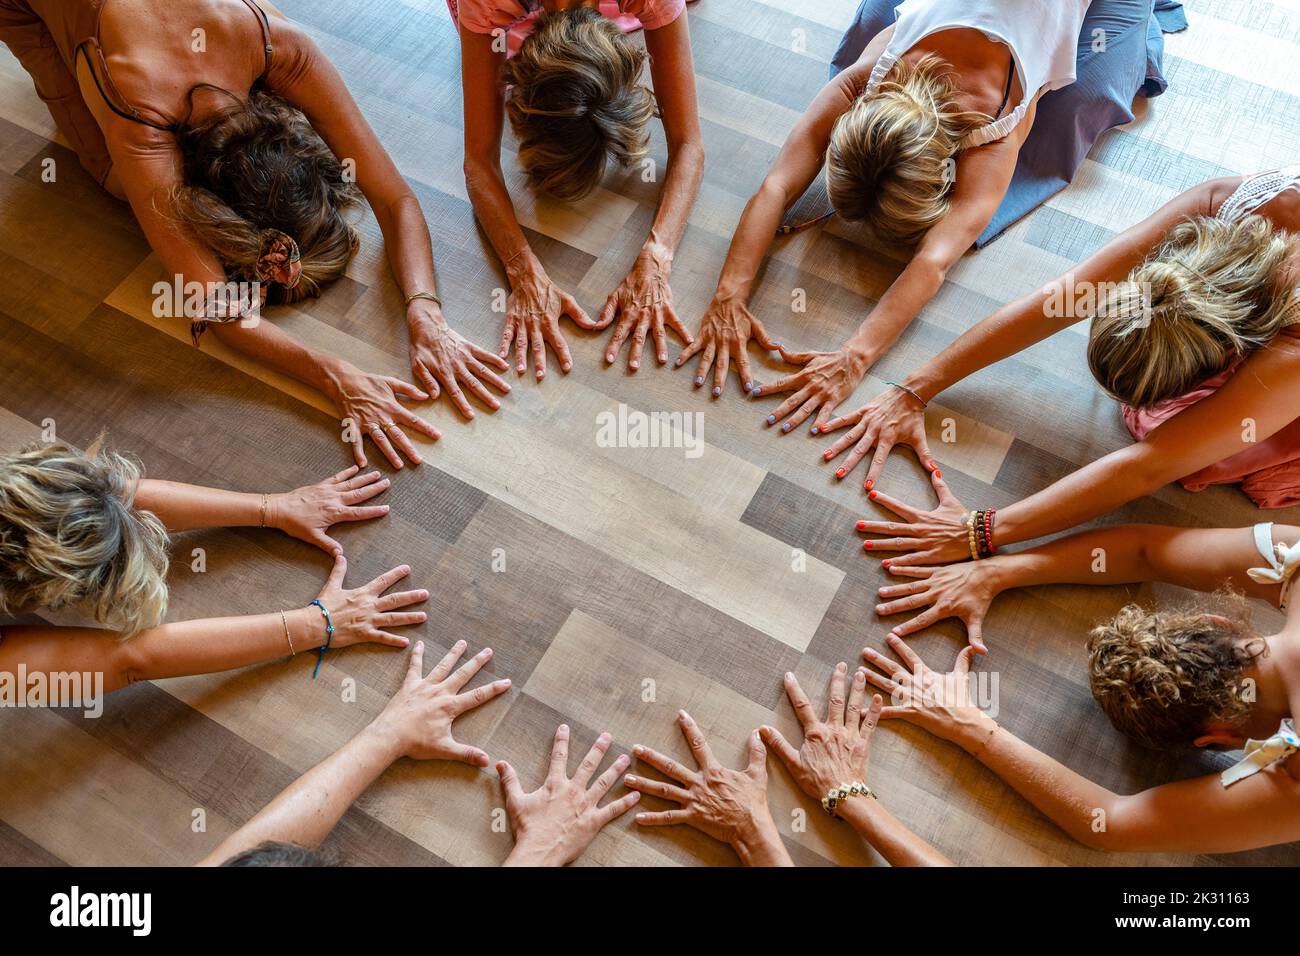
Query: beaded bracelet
(837, 795)
(970, 535)
(329, 636)
(287, 636)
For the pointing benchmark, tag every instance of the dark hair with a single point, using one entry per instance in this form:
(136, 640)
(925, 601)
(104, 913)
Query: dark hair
(575, 101)
(275, 853)
(255, 169)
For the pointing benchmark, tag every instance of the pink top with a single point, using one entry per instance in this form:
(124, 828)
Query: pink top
(484, 16)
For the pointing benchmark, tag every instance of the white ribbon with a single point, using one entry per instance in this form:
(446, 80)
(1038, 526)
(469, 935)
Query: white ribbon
(1285, 559)
(1263, 753)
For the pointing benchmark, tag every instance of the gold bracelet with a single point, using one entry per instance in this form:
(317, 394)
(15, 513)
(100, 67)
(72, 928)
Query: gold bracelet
(287, 636)
(837, 795)
(264, 509)
(970, 533)
(423, 295)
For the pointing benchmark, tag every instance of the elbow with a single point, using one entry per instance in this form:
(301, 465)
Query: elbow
(689, 153)
(479, 170)
(932, 267)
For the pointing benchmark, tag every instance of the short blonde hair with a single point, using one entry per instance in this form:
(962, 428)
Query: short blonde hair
(1164, 677)
(575, 101)
(889, 162)
(69, 537)
(1213, 292)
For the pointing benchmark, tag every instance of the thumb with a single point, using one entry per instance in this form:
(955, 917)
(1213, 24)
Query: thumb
(975, 635)
(780, 746)
(335, 581)
(510, 788)
(757, 755)
(326, 543)
(410, 391)
(962, 667)
(464, 753)
(761, 336)
(415, 667)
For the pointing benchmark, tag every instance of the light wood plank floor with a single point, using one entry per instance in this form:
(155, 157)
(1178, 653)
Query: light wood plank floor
(621, 566)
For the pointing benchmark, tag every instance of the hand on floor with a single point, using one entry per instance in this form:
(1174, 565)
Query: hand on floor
(368, 408)
(835, 751)
(725, 331)
(308, 513)
(827, 379)
(963, 591)
(418, 720)
(728, 805)
(444, 361)
(928, 537)
(894, 417)
(533, 314)
(361, 615)
(939, 703)
(643, 303)
(555, 823)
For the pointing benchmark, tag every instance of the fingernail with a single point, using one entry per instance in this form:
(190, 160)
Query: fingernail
(609, 357)
(423, 616)
(405, 642)
(637, 748)
(866, 545)
(930, 465)
(880, 608)
(388, 507)
(699, 380)
(938, 473)
(662, 359)
(758, 389)
(683, 715)
(771, 419)
(678, 363)
(785, 427)
(872, 495)
(839, 472)
(567, 366)
(634, 365)
(885, 564)
(789, 675)
(716, 391)
(629, 780)
(814, 429)
(460, 645)
(869, 484)
(859, 676)
(776, 345)
(748, 386)
(861, 526)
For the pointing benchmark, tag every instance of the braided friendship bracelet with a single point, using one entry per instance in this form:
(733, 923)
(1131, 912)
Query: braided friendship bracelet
(329, 636)
(837, 795)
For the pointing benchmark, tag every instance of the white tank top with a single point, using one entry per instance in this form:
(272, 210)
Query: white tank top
(1043, 36)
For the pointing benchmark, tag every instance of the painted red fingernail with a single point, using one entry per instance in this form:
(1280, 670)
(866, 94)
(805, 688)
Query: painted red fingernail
(862, 526)
(930, 465)
(866, 545)
(840, 473)
(869, 485)
(938, 473)
(872, 494)
(885, 564)
(826, 456)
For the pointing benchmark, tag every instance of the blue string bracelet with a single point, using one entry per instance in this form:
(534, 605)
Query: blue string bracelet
(329, 636)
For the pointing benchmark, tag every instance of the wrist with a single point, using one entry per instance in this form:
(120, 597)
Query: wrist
(523, 266)
(859, 351)
(382, 739)
(756, 841)
(972, 731)
(529, 851)
(334, 372)
(424, 312)
(307, 625)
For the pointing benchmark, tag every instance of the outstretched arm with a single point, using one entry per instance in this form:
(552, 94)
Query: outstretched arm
(896, 416)
(305, 513)
(727, 325)
(416, 723)
(643, 301)
(1199, 815)
(212, 645)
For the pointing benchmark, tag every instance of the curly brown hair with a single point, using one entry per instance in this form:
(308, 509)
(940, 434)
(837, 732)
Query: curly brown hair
(575, 101)
(256, 168)
(1164, 677)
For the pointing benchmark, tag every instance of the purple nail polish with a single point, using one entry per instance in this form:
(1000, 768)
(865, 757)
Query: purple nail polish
(716, 391)
(699, 380)
(771, 419)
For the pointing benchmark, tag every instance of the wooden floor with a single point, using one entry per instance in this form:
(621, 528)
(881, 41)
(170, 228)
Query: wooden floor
(621, 566)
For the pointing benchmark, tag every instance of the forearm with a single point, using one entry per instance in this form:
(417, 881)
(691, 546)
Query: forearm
(406, 240)
(211, 645)
(496, 214)
(1011, 329)
(888, 835)
(760, 844)
(903, 302)
(681, 186)
(309, 808)
(753, 236)
(1094, 490)
(282, 353)
(1077, 805)
(1106, 556)
(182, 507)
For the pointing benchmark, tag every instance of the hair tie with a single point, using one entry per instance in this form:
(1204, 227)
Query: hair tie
(280, 260)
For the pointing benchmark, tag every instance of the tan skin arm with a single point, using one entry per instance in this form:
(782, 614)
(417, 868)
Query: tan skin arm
(728, 325)
(643, 301)
(1191, 816)
(209, 646)
(1202, 559)
(896, 418)
(417, 723)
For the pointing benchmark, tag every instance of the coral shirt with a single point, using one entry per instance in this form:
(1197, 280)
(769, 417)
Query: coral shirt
(484, 16)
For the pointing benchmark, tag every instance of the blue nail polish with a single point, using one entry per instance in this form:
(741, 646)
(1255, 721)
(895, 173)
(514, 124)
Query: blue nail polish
(785, 427)
(716, 391)
(757, 389)
(771, 419)
(776, 345)
(814, 429)
(699, 380)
